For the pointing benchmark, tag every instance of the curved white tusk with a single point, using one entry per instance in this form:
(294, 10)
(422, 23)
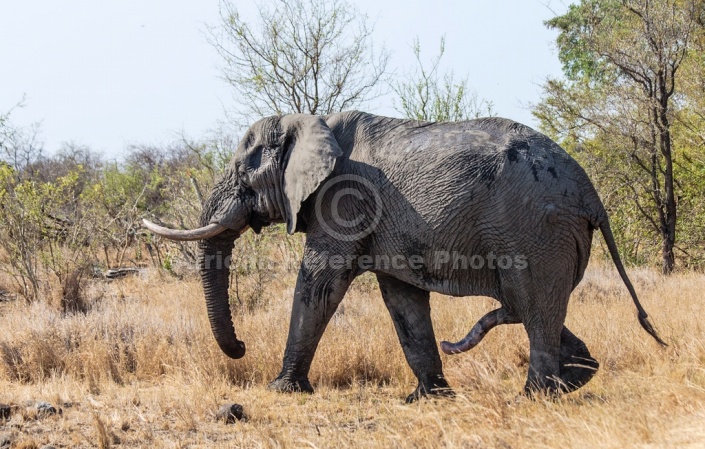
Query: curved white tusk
(205, 232)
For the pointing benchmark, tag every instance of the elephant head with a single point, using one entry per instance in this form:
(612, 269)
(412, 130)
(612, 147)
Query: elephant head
(280, 162)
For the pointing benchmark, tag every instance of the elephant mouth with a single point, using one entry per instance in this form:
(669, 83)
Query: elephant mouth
(257, 223)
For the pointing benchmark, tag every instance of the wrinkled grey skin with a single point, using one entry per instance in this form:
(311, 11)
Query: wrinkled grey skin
(488, 187)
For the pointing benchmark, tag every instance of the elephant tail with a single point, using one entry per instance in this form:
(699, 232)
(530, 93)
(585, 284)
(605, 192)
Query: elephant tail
(614, 253)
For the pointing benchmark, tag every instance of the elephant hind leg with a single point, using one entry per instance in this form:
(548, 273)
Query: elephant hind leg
(541, 307)
(577, 366)
(479, 330)
(544, 367)
(558, 369)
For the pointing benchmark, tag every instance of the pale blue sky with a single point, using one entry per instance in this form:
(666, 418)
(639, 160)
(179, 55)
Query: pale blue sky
(109, 73)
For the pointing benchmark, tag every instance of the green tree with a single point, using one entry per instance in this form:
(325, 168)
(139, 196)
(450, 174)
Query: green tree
(44, 229)
(305, 56)
(425, 95)
(622, 94)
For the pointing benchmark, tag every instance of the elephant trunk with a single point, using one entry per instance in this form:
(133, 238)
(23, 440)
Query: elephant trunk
(228, 210)
(215, 274)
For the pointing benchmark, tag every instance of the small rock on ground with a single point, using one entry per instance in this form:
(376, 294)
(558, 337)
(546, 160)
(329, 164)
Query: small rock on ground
(229, 413)
(45, 408)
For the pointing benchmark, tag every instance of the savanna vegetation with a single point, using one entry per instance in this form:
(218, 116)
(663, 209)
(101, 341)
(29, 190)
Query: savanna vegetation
(140, 369)
(131, 362)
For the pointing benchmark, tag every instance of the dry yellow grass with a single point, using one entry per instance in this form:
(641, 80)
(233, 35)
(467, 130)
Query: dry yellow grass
(141, 369)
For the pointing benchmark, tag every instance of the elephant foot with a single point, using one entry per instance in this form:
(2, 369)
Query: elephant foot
(576, 364)
(285, 384)
(432, 386)
(549, 388)
(577, 371)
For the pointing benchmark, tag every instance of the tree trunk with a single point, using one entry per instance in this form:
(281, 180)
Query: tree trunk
(669, 228)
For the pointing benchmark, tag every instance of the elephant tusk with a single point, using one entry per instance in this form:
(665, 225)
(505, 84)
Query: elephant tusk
(205, 232)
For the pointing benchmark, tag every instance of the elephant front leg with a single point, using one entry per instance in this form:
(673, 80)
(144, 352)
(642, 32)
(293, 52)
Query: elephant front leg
(411, 312)
(319, 290)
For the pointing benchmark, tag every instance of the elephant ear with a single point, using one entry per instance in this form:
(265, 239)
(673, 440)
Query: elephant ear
(311, 151)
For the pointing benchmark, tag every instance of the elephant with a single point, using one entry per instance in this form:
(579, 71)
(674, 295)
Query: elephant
(486, 207)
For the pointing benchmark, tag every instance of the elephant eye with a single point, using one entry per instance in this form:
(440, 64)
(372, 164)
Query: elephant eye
(255, 159)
